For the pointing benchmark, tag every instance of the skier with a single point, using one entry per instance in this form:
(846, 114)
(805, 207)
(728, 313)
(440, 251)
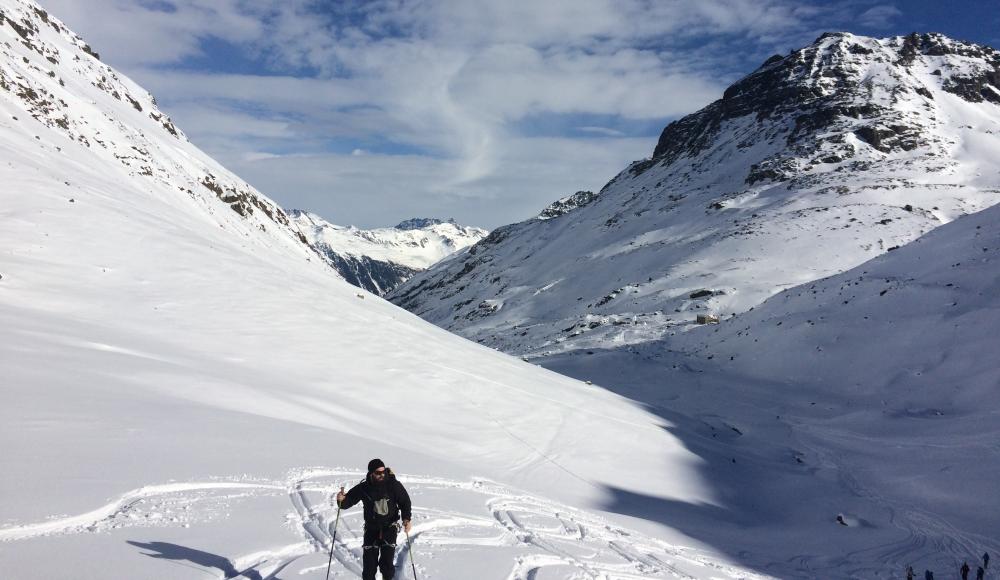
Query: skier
(909, 573)
(980, 573)
(964, 570)
(384, 497)
(928, 575)
(986, 560)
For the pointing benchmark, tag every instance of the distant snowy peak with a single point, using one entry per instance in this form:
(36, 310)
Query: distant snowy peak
(416, 243)
(378, 260)
(56, 92)
(451, 233)
(810, 165)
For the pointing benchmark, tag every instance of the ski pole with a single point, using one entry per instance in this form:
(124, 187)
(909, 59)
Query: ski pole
(333, 542)
(409, 545)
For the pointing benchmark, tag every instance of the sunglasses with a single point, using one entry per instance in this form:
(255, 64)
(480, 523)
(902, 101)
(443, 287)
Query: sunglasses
(379, 472)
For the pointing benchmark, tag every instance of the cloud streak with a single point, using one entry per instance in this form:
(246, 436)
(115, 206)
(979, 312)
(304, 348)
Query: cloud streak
(880, 16)
(448, 84)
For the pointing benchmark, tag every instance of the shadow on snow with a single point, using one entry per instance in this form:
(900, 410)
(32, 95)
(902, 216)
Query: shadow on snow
(168, 551)
(778, 490)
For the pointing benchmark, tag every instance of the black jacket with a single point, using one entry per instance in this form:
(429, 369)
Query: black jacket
(371, 493)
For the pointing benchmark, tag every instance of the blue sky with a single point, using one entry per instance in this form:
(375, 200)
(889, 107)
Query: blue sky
(372, 112)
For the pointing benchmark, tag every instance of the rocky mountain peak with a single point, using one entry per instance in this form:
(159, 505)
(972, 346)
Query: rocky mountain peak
(567, 204)
(841, 89)
(808, 166)
(421, 223)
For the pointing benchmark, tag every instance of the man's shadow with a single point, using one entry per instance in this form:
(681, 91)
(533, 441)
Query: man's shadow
(168, 551)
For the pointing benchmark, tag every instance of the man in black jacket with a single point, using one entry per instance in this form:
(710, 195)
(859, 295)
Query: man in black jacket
(384, 497)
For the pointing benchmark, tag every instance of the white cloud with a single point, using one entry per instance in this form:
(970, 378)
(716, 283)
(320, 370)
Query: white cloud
(374, 190)
(507, 82)
(880, 16)
(215, 121)
(605, 131)
(137, 32)
(443, 83)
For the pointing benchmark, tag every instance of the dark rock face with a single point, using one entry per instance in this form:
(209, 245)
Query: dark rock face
(243, 201)
(568, 204)
(817, 90)
(974, 86)
(421, 223)
(374, 276)
(977, 88)
(688, 136)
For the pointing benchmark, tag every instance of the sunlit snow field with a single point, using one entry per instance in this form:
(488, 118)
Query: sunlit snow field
(185, 384)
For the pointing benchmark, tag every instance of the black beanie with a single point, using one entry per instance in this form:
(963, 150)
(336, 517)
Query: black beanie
(375, 464)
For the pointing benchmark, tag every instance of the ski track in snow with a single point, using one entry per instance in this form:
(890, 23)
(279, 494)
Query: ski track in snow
(549, 540)
(925, 532)
(127, 505)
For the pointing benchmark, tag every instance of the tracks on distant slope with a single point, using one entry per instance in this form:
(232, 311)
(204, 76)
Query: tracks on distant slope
(925, 532)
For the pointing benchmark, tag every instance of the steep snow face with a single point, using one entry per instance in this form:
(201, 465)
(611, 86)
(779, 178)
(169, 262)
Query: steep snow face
(381, 259)
(58, 97)
(814, 163)
(178, 368)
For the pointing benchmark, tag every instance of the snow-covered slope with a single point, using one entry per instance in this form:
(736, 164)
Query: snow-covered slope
(890, 373)
(184, 384)
(918, 322)
(59, 99)
(379, 260)
(872, 395)
(809, 166)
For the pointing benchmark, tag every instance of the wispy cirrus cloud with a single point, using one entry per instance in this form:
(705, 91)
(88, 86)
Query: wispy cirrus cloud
(438, 93)
(880, 17)
(137, 32)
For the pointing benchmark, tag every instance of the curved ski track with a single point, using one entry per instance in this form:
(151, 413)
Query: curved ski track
(546, 540)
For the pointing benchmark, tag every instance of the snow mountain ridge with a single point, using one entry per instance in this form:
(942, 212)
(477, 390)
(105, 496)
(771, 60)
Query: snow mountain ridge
(380, 259)
(186, 384)
(809, 166)
(55, 80)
